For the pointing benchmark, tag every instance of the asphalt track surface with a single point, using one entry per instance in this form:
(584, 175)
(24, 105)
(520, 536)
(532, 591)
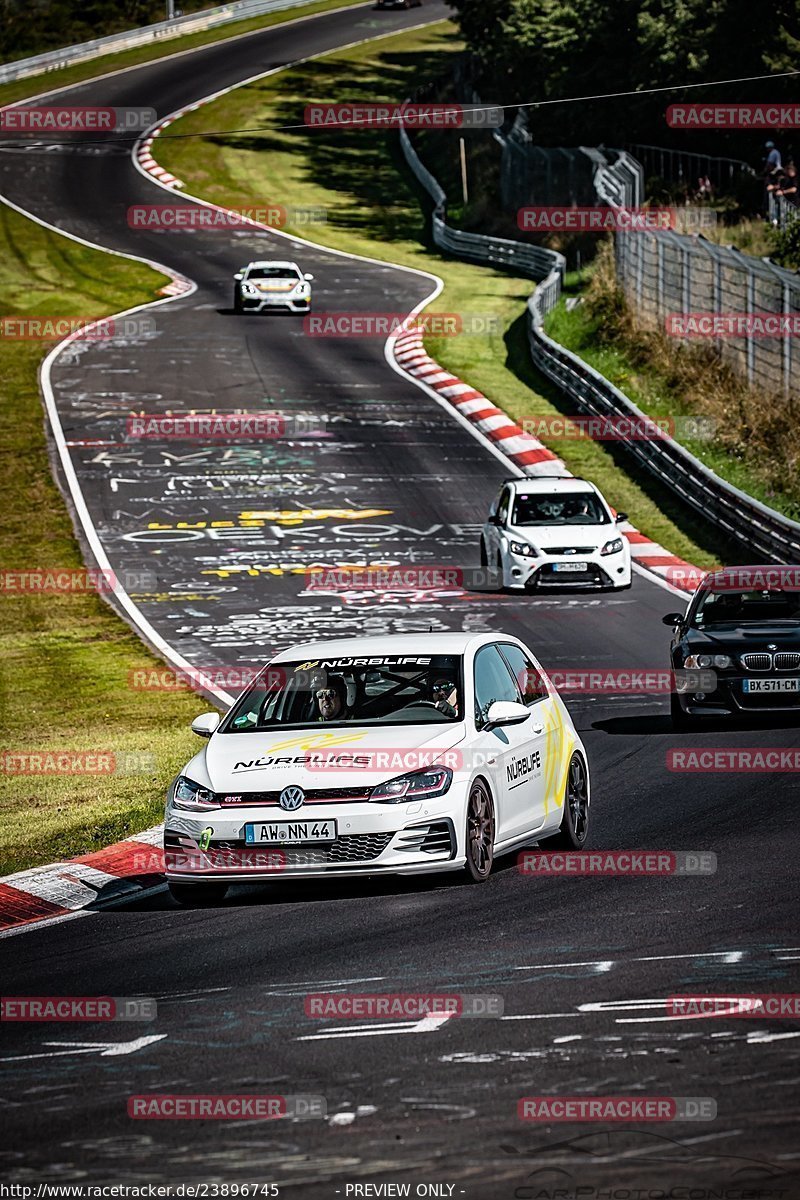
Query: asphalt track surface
(571, 958)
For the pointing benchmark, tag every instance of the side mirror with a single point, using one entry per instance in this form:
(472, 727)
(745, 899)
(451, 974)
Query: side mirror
(672, 619)
(239, 275)
(308, 277)
(506, 712)
(205, 724)
(621, 517)
(493, 519)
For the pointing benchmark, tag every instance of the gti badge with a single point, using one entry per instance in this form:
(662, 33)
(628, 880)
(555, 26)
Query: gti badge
(291, 798)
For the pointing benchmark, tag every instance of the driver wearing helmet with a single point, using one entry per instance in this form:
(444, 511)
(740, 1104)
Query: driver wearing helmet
(445, 696)
(331, 700)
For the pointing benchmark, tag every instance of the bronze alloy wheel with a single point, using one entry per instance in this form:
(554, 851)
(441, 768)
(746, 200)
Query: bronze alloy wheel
(480, 833)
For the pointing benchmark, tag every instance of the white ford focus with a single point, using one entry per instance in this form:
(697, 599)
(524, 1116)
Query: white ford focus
(555, 532)
(375, 756)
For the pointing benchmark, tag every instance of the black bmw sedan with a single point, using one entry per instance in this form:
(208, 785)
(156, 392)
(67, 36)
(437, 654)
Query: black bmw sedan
(742, 629)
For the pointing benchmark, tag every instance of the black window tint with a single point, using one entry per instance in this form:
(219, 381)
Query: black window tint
(493, 681)
(529, 681)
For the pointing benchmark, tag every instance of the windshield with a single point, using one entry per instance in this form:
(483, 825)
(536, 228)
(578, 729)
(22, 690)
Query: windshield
(576, 508)
(273, 273)
(742, 608)
(382, 690)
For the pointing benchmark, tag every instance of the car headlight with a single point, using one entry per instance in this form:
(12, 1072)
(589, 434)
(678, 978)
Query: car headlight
(249, 289)
(525, 549)
(303, 289)
(720, 661)
(433, 781)
(612, 547)
(192, 796)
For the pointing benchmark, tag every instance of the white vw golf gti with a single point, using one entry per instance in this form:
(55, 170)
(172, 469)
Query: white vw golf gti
(375, 756)
(555, 532)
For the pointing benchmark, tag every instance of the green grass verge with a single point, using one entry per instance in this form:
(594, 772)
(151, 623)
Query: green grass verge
(374, 208)
(65, 659)
(21, 89)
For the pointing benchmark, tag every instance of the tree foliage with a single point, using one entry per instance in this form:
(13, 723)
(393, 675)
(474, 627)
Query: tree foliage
(530, 51)
(30, 27)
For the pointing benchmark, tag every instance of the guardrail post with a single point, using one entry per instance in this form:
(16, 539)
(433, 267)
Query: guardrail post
(787, 343)
(750, 341)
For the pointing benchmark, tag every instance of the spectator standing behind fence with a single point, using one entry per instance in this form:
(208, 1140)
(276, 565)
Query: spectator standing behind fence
(772, 171)
(787, 184)
(705, 189)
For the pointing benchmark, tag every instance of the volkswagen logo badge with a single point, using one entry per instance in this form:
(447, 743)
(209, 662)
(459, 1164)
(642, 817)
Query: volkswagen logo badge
(291, 798)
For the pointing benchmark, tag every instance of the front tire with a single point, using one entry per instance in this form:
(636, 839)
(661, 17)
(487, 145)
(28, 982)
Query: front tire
(197, 895)
(574, 828)
(480, 833)
(238, 307)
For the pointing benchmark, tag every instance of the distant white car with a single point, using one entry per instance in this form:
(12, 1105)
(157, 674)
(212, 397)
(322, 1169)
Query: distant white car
(271, 284)
(555, 532)
(370, 756)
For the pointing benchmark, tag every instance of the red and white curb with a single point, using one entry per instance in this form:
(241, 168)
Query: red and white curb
(145, 160)
(527, 452)
(59, 890)
(144, 154)
(522, 448)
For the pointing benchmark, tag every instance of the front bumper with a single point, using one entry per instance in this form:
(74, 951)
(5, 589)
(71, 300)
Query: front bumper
(384, 839)
(729, 698)
(606, 571)
(271, 300)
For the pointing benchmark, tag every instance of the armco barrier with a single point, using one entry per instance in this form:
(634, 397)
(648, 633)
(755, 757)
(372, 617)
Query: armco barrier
(210, 18)
(760, 528)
